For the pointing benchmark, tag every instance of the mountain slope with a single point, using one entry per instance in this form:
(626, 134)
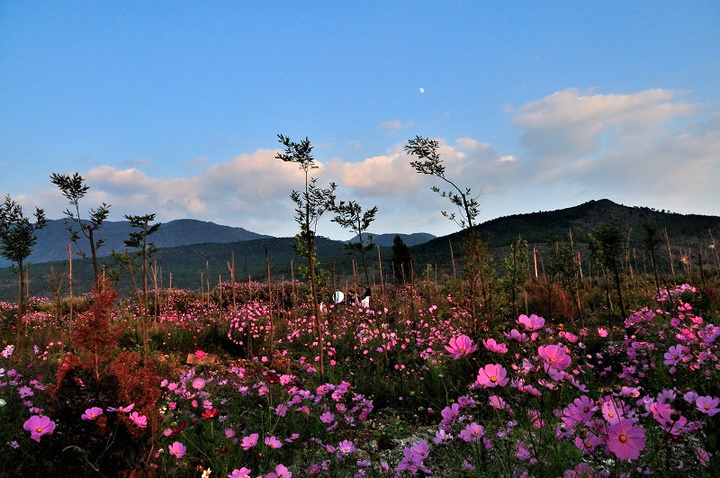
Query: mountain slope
(53, 239)
(386, 240)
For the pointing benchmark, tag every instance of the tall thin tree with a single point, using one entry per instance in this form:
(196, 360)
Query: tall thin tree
(73, 187)
(350, 215)
(310, 205)
(17, 239)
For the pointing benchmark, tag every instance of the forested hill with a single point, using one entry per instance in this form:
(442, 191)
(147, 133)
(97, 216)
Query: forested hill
(545, 226)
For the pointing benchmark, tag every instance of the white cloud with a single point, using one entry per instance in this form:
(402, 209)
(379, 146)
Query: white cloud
(643, 149)
(568, 125)
(635, 149)
(395, 126)
(198, 162)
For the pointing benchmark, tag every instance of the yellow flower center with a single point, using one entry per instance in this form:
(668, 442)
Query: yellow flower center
(38, 430)
(494, 379)
(622, 438)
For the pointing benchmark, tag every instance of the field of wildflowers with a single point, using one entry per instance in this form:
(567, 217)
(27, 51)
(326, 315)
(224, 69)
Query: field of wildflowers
(411, 388)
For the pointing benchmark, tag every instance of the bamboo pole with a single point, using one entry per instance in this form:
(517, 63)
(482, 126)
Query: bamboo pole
(70, 280)
(452, 259)
(670, 255)
(382, 280)
(270, 304)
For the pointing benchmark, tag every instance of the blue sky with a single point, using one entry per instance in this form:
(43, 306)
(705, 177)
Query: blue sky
(174, 107)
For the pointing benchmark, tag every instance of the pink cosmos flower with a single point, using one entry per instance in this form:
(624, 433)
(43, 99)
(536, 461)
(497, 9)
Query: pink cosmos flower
(199, 354)
(531, 323)
(707, 405)
(492, 375)
(249, 441)
(472, 432)
(240, 473)
(327, 417)
(121, 409)
(25, 392)
(92, 413)
(626, 440)
(521, 451)
(674, 354)
(661, 412)
(494, 347)
(703, 456)
(420, 450)
(346, 447)
(38, 426)
(580, 410)
(281, 471)
(602, 332)
(139, 420)
(177, 450)
(497, 402)
(273, 442)
(198, 383)
(555, 356)
(460, 346)
(442, 437)
(582, 470)
(517, 336)
(588, 442)
(612, 411)
(451, 413)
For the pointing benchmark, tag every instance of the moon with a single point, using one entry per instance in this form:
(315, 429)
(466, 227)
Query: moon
(421, 90)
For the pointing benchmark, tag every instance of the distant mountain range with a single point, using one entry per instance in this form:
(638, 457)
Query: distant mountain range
(191, 249)
(53, 239)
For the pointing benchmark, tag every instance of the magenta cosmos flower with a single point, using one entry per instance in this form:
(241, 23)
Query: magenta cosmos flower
(473, 432)
(240, 473)
(92, 413)
(249, 441)
(177, 449)
(626, 440)
(346, 447)
(555, 356)
(531, 323)
(707, 405)
(281, 471)
(491, 375)
(38, 426)
(581, 410)
(460, 346)
(674, 354)
(139, 420)
(273, 442)
(494, 347)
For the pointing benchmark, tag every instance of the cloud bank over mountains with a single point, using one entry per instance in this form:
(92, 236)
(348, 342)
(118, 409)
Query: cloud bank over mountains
(649, 148)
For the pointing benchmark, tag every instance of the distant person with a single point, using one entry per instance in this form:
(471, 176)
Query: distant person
(365, 301)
